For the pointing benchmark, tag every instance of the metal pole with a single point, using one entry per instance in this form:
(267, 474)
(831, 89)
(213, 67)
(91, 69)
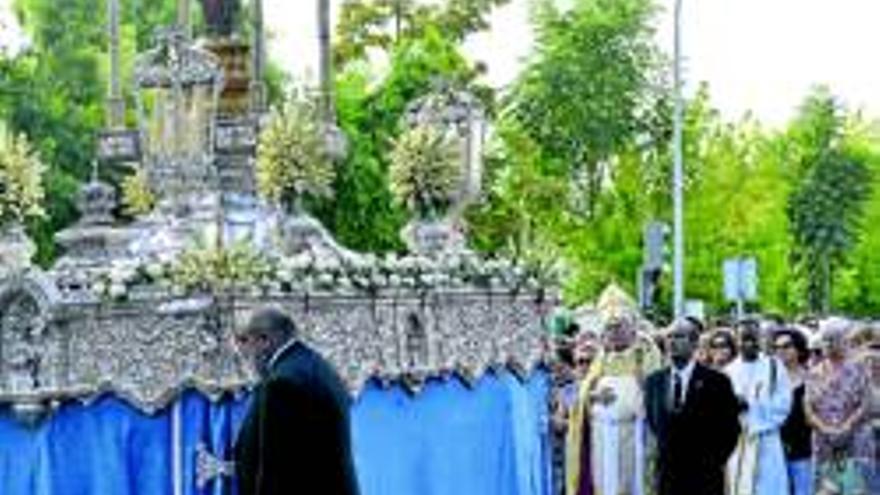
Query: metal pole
(183, 16)
(324, 44)
(259, 60)
(678, 176)
(115, 101)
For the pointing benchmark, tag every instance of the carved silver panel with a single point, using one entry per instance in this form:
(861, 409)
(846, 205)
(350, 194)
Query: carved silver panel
(150, 349)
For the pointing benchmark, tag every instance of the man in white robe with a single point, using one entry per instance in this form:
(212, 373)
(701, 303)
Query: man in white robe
(757, 466)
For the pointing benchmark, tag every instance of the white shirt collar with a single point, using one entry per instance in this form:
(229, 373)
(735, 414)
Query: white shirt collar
(281, 350)
(684, 373)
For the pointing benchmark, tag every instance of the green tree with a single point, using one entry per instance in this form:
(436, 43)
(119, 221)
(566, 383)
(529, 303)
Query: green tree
(857, 282)
(827, 204)
(362, 214)
(593, 86)
(735, 206)
(381, 24)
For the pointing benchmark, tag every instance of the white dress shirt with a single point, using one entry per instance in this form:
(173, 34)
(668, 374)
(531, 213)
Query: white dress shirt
(683, 374)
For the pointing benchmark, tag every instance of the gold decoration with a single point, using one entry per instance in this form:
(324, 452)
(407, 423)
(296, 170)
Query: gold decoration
(615, 304)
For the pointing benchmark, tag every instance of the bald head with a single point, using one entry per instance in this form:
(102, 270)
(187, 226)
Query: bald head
(267, 331)
(272, 322)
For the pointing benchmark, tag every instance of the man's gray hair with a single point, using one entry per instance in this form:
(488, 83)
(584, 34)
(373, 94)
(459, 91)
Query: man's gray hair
(835, 326)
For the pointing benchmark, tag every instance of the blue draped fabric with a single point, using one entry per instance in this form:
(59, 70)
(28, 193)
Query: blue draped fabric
(487, 439)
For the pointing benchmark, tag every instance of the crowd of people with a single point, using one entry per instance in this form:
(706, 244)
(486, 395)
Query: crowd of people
(756, 407)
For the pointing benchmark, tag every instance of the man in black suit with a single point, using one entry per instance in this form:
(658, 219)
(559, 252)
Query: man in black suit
(692, 413)
(296, 436)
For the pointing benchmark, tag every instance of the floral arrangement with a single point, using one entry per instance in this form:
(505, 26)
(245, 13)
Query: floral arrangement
(137, 197)
(198, 269)
(220, 268)
(292, 160)
(241, 268)
(21, 180)
(426, 170)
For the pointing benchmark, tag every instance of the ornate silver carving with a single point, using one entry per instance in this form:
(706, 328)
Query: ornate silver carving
(119, 145)
(149, 350)
(177, 87)
(16, 248)
(92, 242)
(31, 353)
(434, 238)
(236, 136)
(101, 321)
(210, 468)
(461, 113)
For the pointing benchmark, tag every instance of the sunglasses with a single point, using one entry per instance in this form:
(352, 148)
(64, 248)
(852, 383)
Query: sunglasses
(246, 339)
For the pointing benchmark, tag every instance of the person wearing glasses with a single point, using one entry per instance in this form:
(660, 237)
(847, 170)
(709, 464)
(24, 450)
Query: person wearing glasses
(572, 365)
(790, 346)
(722, 348)
(692, 414)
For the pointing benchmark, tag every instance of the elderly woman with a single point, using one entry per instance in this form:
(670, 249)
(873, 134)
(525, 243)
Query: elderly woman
(866, 346)
(836, 405)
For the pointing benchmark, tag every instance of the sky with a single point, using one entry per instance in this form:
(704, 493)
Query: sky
(757, 55)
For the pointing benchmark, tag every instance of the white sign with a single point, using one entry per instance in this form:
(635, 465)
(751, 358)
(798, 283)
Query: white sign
(741, 279)
(695, 308)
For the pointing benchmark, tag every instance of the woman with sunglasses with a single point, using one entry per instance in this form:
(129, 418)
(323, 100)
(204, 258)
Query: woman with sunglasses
(790, 346)
(722, 348)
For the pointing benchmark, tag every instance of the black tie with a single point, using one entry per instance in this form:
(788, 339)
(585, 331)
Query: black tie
(676, 400)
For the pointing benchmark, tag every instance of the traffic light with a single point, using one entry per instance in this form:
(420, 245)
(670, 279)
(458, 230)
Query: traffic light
(654, 239)
(655, 253)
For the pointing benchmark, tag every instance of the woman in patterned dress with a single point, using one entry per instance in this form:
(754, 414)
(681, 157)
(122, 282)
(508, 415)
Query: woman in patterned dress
(836, 404)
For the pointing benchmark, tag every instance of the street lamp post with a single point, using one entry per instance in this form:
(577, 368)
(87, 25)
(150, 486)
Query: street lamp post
(678, 176)
(115, 100)
(336, 143)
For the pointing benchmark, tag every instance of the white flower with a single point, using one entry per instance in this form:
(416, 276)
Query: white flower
(117, 290)
(21, 180)
(292, 159)
(285, 274)
(325, 279)
(426, 169)
(99, 287)
(154, 270)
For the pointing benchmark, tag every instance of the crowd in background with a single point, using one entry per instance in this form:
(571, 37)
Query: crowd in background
(807, 401)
